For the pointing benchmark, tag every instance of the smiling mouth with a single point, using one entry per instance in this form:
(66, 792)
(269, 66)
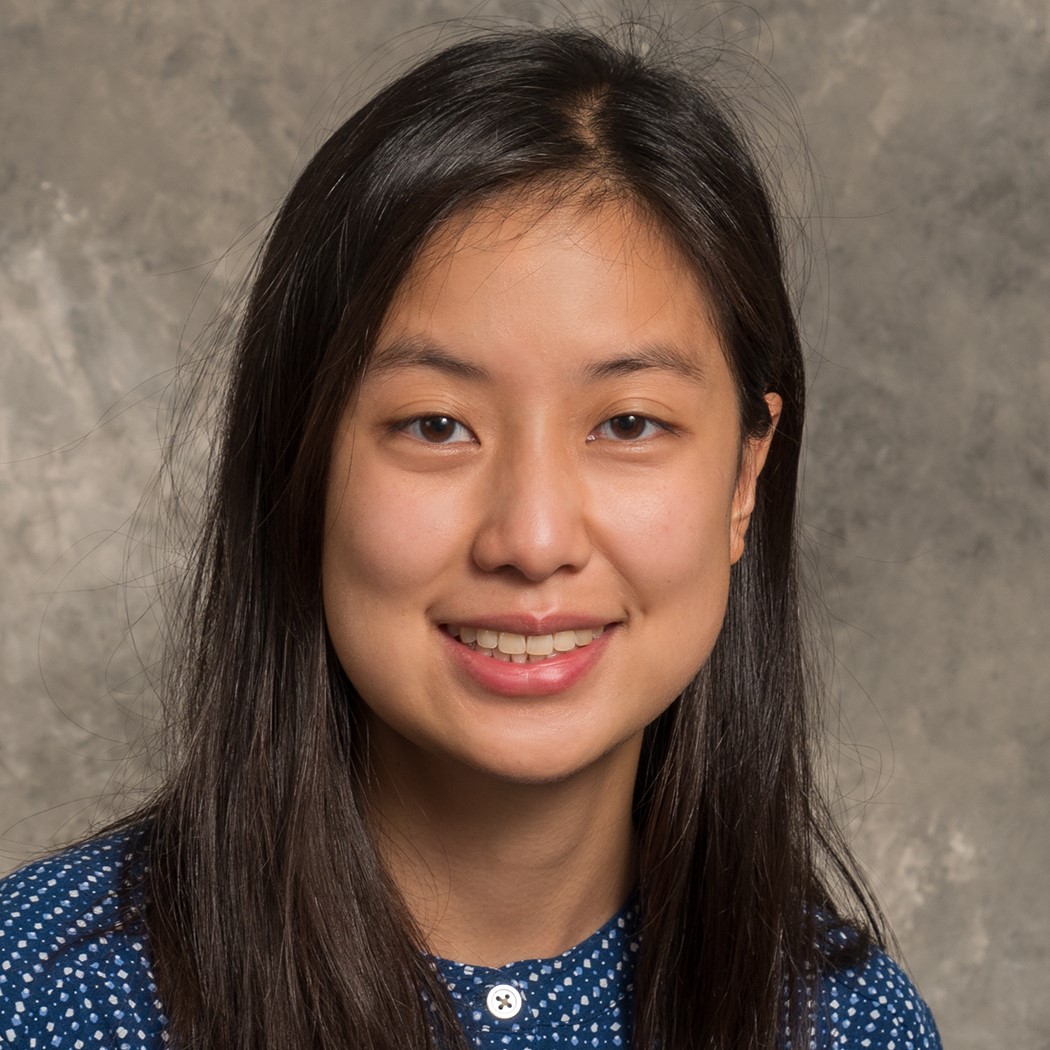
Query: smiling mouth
(522, 648)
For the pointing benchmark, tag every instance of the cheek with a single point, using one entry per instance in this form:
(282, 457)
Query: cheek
(391, 538)
(384, 547)
(673, 536)
(672, 547)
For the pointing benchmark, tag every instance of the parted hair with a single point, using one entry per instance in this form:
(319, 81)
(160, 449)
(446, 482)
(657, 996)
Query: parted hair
(271, 919)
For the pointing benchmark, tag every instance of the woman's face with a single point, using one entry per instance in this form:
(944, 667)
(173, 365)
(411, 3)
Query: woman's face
(536, 495)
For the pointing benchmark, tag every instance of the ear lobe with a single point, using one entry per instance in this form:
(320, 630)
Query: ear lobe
(752, 460)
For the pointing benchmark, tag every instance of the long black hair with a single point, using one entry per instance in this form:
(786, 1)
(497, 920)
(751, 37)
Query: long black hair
(270, 916)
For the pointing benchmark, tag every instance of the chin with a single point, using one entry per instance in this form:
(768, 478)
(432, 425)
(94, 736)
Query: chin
(541, 762)
(530, 774)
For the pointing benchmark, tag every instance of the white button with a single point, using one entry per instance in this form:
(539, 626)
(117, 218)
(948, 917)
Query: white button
(504, 1002)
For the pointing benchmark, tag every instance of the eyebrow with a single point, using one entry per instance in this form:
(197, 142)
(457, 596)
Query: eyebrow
(420, 353)
(658, 356)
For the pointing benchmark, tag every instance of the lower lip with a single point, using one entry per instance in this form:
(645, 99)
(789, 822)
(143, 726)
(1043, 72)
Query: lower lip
(545, 678)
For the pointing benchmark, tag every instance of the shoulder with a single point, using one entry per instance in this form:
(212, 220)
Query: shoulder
(873, 1005)
(71, 972)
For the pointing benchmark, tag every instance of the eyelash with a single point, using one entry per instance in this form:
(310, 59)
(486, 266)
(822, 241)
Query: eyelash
(650, 428)
(412, 427)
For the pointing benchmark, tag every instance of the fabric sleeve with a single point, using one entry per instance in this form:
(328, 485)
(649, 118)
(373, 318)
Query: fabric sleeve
(70, 977)
(874, 1006)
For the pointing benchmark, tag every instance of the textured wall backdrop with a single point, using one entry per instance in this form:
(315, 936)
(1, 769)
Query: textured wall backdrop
(140, 144)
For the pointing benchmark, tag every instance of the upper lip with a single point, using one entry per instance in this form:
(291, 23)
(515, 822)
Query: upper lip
(530, 624)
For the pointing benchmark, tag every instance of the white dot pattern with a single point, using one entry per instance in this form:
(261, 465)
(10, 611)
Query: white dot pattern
(579, 998)
(69, 981)
(871, 1007)
(66, 980)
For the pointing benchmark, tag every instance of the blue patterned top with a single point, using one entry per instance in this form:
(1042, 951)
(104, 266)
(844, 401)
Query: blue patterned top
(66, 986)
(579, 998)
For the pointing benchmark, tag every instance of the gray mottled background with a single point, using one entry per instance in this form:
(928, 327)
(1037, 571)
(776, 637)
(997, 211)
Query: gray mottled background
(142, 144)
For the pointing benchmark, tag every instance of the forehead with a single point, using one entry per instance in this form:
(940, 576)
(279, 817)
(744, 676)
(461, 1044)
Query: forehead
(614, 229)
(570, 270)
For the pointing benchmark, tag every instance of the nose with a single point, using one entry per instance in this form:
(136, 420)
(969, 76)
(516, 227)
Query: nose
(533, 521)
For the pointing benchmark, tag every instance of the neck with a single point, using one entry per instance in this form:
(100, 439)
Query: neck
(493, 871)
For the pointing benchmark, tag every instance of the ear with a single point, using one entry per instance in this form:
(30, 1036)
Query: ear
(752, 460)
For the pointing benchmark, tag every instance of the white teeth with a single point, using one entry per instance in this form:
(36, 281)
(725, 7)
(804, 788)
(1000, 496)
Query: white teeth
(539, 645)
(511, 644)
(564, 641)
(522, 648)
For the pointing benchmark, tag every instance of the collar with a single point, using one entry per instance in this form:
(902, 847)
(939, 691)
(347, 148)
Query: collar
(585, 989)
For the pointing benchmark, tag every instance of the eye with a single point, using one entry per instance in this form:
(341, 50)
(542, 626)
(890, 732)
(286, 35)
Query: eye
(436, 430)
(628, 427)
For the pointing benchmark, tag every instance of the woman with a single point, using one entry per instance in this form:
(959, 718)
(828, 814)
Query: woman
(494, 630)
